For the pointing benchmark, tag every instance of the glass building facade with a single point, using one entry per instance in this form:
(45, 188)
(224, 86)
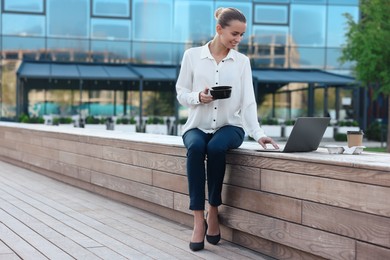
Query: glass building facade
(286, 34)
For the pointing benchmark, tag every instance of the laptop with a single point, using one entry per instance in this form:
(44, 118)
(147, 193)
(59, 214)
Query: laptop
(305, 136)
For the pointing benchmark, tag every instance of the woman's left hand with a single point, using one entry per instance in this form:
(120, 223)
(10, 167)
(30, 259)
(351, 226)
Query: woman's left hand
(267, 140)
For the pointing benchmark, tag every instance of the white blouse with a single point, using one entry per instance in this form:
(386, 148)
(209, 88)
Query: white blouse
(199, 70)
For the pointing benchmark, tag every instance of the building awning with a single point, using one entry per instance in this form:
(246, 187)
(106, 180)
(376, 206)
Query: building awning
(284, 76)
(155, 75)
(66, 71)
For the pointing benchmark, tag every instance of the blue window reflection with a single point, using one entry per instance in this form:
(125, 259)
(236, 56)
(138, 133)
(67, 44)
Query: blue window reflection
(269, 35)
(194, 21)
(271, 14)
(23, 25)
(308, 57)
(308, 25)
(111, 8)
(30, 6)
(27, 44)
(271, 1)
(110, 29)
(309, 1)
(153, 20)
(64, 18)
(108, 51)
(67, 49)
(332, 60)
(149, 52)
(344, 2)
(337, 24)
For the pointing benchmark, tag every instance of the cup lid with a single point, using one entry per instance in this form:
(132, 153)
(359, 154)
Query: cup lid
(360, 132)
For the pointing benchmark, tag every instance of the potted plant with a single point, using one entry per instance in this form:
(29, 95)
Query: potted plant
(271, 127)
(344, 126)
(31, 120)
(126, 124)
(288, 126)
(92, 122)
(63, 121)
(156, 125)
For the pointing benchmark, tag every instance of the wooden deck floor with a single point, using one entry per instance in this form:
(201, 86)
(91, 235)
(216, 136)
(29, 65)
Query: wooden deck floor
(41, 218)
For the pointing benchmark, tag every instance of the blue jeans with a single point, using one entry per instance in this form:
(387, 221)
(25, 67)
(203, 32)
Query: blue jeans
(214, 146)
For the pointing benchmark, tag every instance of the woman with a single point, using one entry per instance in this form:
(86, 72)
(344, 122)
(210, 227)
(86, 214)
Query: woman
(215, 126)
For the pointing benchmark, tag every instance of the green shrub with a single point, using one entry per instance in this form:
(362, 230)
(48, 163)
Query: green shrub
(65, 120)
(289, 122)
(348, 123)
(339, 137)
(62, 120)
(23, 118)
(269, 121)
(155, 121)
(31, 120)
(126, 121)
(182, 121)
(92, 120)
(375, 130)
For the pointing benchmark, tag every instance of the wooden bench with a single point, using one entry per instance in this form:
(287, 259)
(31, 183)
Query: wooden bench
(288, 206)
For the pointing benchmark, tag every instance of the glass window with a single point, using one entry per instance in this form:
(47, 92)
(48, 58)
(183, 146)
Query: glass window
(271, 1)
(309, 1)
(153, 21)
(27, 44)
(307, 25)
(68, 18)
(271, 14)
(155, 53)
(246, 9)
(111, 8)
(194, 21)
(110, 50)
(67, 49)
(269, 35)
(110, 29)
(343, 2)
(23, 25)
(30, 6)
(308, 58)
(337, 24)
(332, 60)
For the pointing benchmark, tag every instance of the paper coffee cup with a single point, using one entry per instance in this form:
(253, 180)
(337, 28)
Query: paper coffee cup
(355, 138)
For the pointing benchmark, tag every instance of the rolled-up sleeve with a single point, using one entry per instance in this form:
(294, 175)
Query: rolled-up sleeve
(184, 85)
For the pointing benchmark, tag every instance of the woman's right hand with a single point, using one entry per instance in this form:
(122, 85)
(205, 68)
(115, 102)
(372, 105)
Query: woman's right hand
(204, 96)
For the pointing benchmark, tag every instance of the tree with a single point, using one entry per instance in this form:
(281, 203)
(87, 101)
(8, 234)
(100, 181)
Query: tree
(367, 44)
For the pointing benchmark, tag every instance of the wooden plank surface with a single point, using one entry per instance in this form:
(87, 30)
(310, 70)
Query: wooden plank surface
(366, 251)
(264, 203)
(358, 225)
(300, 237)
(41, 218)
(361, 197)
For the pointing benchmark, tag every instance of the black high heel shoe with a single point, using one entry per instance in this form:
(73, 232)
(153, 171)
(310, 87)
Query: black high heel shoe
(213, 239)
(196, 246)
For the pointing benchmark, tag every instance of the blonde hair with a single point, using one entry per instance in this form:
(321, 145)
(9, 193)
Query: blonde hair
(225, 15)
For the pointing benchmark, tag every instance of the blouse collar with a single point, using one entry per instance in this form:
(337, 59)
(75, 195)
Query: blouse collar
(207, 54)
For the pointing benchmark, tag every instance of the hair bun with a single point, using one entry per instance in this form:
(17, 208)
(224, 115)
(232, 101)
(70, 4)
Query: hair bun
(218, 12)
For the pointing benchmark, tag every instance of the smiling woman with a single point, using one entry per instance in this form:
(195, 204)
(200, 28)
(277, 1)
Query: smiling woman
(215, 125)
